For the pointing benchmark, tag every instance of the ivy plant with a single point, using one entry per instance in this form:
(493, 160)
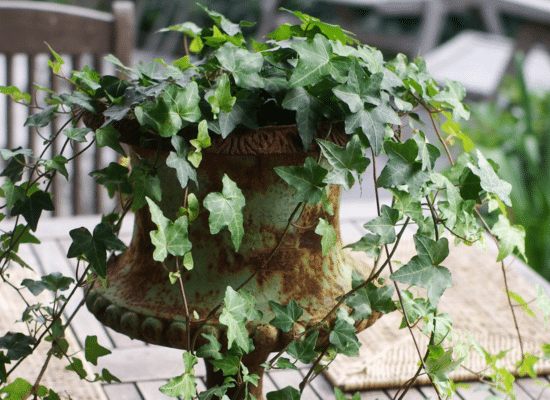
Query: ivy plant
(305, 75)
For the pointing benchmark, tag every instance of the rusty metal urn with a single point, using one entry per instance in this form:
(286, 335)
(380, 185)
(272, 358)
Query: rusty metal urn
(139, 299)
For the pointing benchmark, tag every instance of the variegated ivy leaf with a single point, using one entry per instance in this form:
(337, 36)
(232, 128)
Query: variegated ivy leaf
(344, 161)
(226, 210)
(220, 98)
(170, 237)
(384, 225)
(423, 270)
(326, 230)
(244, 65)
(510, 237)
(234, 315)
(490, 181)
(178, 161)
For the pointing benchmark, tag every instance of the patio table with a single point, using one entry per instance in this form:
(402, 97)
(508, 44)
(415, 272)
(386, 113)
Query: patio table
(142, 368)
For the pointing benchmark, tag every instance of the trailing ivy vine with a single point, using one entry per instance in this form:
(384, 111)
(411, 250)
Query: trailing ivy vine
(305, 74)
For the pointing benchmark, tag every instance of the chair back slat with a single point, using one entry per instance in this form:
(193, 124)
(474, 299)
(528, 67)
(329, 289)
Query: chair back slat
(82, 37)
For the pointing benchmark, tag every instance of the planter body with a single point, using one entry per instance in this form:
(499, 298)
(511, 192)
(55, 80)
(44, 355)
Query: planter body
(139, 300)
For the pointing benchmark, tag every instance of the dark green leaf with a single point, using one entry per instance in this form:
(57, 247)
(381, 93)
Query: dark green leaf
(309, 112)
(58, 163)
(359, 88)
(244, 112)
(106, 376)
(288, 393)
(304, 351)
(402, 167)
(42, 118)
(146, 184)
(13, 193)
(31, 208)
(53, 282)
(229, 365)
(435, 251)
(15, 167)
(344, 161)
(108, 137)
(17, 344)
(114, 178)
(3, 372)
(285, 316)
(284, 363)
(226, 210)
(93, 350)
(307, 180)
(344, 338)
(77, 134)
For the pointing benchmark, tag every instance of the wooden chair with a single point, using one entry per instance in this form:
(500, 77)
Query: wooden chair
(83, 37)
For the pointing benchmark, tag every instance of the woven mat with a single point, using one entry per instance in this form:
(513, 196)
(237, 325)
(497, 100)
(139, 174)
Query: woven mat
(477, 304)
(65, 383)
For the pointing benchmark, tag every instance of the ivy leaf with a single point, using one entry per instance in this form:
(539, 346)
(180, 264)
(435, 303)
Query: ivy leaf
(53, 282)
(146, 184)
(108, 137)
(326, 230)
(243, 112)
(527, 366)
(369, 244)
(210, 349)
(94, 247)
(421, 272)
(372, 122)
(440, 367)
(435, 251)
(163, 117)
(229, 365)
(285, 363)
(226, 210)
(359, 88)
(31, 208)
(114, 178)
(17, 344)
(16, 165)
(93, 350)
(3, 373)
(13, 193)
(184, 101)
(180, 386)
(489, 180)
(403, 168)
(344, 338)
(244, 65)
(309, 112)
(285, 316)
(170, 237)
(42, 118)
(287, 393)
(384, 225)
(77, 134)
(233, 316)
(510, 237)
(307, 180)
(344, 161)
(453, 95)
(58, 163)
(15, 93)
(339, 395)
(304, 351)
(221, 99)
(315, 61)
(178, 161)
